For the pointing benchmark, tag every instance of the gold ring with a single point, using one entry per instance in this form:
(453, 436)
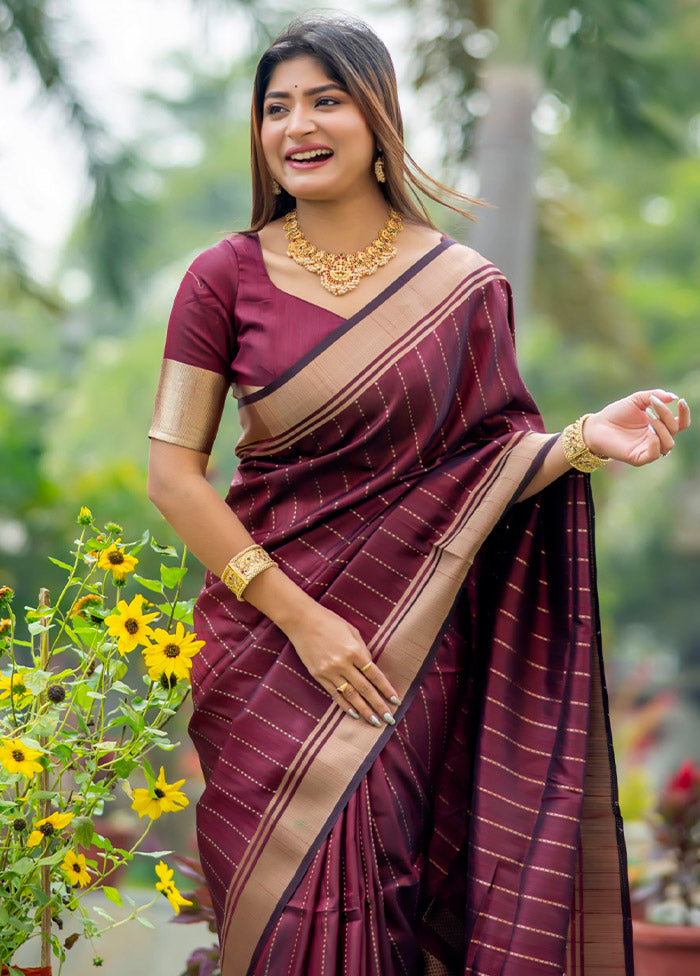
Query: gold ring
(342, 688)
(368, 665)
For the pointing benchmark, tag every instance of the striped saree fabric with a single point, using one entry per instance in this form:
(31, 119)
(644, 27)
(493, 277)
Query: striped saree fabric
(382, 467)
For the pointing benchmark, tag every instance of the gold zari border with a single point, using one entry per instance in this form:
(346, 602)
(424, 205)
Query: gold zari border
(189, 403)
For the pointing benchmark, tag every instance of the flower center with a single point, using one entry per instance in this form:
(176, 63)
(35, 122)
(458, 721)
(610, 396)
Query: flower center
(159, 793)
(131, 626)
(18, 755)
(46, 829)
(116, 558)
(171, 650)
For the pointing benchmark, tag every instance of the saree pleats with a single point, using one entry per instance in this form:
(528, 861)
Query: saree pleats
(382, 471)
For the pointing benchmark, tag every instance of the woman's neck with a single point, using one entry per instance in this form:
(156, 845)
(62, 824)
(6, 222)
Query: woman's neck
(342, 225)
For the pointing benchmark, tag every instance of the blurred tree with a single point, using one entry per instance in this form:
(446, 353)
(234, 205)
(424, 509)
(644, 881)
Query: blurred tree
(501, 61)
(118, 224)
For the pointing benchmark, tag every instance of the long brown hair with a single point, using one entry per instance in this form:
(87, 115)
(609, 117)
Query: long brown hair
(355, 58)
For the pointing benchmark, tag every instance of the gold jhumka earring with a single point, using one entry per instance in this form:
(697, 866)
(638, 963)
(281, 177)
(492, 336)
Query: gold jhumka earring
(379, 169)
(276, 188)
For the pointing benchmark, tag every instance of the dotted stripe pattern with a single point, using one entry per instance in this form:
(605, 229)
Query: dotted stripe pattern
(425, 865)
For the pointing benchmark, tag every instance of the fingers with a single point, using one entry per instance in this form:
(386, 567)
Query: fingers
(663, 423)
(369, 695)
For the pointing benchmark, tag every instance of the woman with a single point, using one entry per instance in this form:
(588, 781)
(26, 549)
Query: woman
(401, 719)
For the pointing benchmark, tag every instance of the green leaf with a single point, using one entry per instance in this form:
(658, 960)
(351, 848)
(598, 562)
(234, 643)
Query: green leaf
(21, 866)
(122, 767)
(102, 913)
(163, 550)
(149, 774)
(113, 895)
(37, 680)
(145, 536)
(117, 669)
(171, 575)
(45, 725)
(182, 610)
(155, 585)
(153, 854)
(83, 830)
(145, 922)
(57, 562)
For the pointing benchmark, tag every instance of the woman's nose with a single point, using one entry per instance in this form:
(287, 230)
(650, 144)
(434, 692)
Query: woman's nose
(299, 122)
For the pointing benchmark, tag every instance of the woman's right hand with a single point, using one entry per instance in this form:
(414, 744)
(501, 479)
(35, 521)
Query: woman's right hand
(335, 655)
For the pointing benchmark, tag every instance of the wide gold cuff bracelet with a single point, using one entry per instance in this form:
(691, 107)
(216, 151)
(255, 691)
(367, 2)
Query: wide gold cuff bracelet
(244, 567)
(575, 450)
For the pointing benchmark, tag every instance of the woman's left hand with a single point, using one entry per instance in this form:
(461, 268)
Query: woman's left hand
(637, 429)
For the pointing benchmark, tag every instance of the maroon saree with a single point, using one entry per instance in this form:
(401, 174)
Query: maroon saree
(381, 460)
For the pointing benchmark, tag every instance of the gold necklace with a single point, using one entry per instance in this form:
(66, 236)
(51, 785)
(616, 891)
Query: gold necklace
(340, 273)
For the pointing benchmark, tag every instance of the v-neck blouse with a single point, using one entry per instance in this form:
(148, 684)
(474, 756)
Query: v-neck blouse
(228, 317)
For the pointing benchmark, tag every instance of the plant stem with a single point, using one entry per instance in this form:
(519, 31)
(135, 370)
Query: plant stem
(173, 604)
(45, 601)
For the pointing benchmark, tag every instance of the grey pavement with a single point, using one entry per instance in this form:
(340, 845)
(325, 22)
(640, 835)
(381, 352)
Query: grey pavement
(131, 949)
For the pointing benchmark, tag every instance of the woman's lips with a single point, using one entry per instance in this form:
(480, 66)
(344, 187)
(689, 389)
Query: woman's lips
(301, 164)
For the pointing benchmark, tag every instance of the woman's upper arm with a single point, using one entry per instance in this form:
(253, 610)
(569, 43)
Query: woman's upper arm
(170, 466)
(200, 347)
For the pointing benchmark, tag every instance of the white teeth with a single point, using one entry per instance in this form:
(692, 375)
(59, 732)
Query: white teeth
(311, 154)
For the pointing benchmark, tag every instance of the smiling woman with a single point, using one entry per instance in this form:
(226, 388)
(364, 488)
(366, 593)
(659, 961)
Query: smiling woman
(399, 706)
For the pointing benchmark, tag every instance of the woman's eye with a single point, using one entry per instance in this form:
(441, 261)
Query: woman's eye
(327, 101)
(274, 109)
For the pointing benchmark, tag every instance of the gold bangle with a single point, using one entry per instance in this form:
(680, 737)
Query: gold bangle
(244, 567)
(576, 452)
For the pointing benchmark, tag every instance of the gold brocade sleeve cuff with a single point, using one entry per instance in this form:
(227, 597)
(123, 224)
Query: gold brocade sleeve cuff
(188, 407)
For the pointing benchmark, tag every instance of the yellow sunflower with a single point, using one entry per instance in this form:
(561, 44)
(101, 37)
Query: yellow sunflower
(48, 827)
(171, 654)
(167, 886)
(81, 607)
(5, 626)
(165, 798)
(13, 684)
(130, 625)
(119, 562)
(17, 757)
(75, 867)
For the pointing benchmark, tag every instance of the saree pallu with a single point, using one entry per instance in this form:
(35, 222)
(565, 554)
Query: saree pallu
(480, 835)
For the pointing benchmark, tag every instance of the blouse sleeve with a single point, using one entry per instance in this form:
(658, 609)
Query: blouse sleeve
(199, 350)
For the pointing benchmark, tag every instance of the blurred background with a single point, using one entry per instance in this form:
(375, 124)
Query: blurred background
(124, 152)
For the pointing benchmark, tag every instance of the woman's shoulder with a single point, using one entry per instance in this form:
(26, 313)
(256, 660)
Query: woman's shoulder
(465, 259)
(217, 268)
(223, 256)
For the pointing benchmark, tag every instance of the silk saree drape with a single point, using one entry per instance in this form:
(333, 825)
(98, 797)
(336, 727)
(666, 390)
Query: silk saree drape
(481, 835)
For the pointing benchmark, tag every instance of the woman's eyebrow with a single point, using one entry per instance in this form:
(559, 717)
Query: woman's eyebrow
(309, 91)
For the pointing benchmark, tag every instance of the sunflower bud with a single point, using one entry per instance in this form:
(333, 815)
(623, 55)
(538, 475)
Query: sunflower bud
(85, 516)
(168, 681)
(19, 824)
(56, 694)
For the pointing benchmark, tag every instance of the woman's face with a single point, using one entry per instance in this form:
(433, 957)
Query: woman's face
(316, 142)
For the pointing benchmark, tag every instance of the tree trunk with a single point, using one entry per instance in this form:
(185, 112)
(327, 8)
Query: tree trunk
(505, 160)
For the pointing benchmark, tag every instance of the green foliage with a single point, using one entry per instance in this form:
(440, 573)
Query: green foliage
(74, 727)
